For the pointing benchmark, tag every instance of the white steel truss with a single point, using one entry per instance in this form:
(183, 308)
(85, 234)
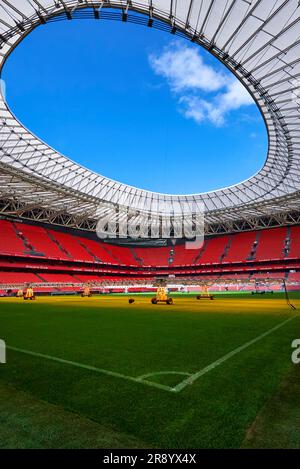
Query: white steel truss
(257, 40)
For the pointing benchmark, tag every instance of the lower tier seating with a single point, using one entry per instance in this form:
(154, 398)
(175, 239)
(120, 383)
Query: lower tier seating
(17, 278)
(51, 282)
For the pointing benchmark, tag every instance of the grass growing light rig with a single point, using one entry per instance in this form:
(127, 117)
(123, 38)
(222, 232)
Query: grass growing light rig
(162, 297)
(28, 293)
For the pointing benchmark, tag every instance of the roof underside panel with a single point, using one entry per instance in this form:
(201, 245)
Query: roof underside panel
(259, 41)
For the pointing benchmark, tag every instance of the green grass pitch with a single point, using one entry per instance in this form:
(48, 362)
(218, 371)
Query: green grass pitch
(98, 372)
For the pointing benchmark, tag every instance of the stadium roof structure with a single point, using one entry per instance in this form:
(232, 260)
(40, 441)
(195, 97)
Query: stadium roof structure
(258, 41)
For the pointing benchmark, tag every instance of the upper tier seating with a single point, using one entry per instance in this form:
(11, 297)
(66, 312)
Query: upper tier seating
(71, 246)
(184, 256)
(213, 250)
(154, 256)
(294, 252)
(271, 244)
(99, 252)
(10, 243)
(41, 241)
(240, 247)
(123, 254)
(32, 241)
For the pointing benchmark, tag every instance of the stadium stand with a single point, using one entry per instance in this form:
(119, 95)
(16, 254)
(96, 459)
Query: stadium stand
(294, 277)
(30, 241)
(271, 275)
(35, 253)
(10, 243)
(17, 277)
(240, 247)
(124, 255)
(88, 278)
(183, 256)
(294, 243)
(98, 251)
(72, 247)
(59, 278)
(271, 244)
(41, 241)
(214, 250)
(157, 256)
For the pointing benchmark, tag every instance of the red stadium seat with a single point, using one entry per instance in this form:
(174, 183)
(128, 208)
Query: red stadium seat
(41, 241)
(240, 247)
(18, 278)
(156, 257)
(271, 244)
(294, 252)
(72, 246)
(213, 250)
(10, 242)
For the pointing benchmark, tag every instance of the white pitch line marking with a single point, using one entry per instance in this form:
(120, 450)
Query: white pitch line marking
(179, 387)
(91, 368)
(157, 373)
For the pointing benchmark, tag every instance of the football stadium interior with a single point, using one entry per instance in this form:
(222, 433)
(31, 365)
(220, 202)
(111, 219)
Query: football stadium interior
(92, 362)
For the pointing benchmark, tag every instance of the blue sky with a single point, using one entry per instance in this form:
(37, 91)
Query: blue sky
(137, 105)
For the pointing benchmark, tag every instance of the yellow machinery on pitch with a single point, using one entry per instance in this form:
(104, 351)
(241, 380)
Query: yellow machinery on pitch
(86, 292)
(205, 294)
(28, 294)
(162, 297)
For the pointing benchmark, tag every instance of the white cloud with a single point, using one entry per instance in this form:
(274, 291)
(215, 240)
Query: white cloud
(189, 78)
(200, 110)
(184, 69)
(235, 96)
